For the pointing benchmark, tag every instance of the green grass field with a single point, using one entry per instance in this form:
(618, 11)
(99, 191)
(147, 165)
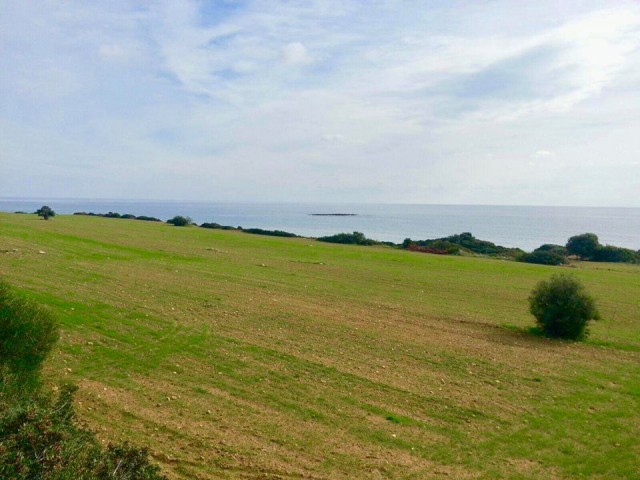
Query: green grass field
(240, 356)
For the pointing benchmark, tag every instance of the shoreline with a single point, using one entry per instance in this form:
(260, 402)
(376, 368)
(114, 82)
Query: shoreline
(458, 244)
(514, 227)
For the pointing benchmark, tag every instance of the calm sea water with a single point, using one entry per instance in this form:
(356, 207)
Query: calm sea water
(511, 226)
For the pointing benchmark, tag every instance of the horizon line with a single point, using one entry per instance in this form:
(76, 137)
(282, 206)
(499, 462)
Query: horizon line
(275, 202)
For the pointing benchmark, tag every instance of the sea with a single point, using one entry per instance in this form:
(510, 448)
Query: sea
(526, 227)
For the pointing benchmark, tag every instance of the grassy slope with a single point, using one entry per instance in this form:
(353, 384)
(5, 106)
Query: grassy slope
(241, 356)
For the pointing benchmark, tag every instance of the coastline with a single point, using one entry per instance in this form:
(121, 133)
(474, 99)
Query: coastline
(512, 226)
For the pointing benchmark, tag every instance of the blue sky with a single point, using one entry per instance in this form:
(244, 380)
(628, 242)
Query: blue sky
(471, 102)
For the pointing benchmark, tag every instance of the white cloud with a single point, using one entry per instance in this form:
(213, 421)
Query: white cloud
(333, 137)
(544, 153)
(295, 53)
(112, 52)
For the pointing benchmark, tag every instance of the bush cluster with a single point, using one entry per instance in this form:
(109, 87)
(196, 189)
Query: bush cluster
(439, 247)
(609, 253)
(585, 246)
(455, 243)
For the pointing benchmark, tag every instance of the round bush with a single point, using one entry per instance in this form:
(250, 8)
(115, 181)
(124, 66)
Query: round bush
(562, 307)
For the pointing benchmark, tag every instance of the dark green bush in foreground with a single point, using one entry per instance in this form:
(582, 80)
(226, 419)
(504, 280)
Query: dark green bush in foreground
(562, 307)
(27, 334)
(39, 435)
(40, 439)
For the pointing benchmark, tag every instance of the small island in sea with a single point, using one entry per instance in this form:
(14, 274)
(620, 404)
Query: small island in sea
(333, 214)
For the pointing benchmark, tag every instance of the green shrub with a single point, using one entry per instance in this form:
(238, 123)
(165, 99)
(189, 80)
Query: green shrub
(355, 238)
(562, 307)
(543, 257)
(129, 463)
(584, 245)
(610, 253)
(180, 221)
(40, 439)
(148, 219)
(550, 247)
(217, 226)
(273, 233)
(444, 245)
(27, 334)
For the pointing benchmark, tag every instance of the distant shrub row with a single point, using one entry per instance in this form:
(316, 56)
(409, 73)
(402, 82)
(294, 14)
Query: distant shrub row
(273, 233)
(183, 221)
(584, 247)
(217, 226)
(117, 215)
(454, 244)
(255, 231)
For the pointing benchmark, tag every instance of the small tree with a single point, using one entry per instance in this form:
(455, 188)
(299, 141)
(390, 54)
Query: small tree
(562, 307)
(584, 245)
(45, 212)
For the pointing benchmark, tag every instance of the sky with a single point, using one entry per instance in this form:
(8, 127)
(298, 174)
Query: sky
(447, 102)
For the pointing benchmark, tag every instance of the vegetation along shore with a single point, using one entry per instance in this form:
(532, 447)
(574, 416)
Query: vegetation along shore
(584, 246)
